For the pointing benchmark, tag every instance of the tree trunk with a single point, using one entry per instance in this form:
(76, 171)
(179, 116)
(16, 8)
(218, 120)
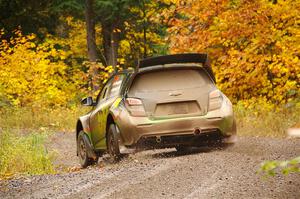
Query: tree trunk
(114, 48)
(90, 30)
(144, 31)
(111, 40)
(91, 44)
(106, 44)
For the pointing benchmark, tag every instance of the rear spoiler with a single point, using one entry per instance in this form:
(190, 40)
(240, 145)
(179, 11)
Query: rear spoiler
(179, 58)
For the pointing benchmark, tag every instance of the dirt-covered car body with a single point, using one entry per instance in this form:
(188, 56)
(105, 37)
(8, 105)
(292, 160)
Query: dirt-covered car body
(169, 101)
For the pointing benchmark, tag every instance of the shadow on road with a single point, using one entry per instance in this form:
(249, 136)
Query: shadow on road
(190, 151)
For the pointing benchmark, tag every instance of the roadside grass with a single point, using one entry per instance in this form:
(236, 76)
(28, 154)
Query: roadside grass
(24, 134)
(260, 121)
(24, 154)
(28, 119)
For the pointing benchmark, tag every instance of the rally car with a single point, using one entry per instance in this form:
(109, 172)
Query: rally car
(168, 101)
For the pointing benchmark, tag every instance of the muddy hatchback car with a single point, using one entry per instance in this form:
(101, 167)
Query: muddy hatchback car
(169, 101)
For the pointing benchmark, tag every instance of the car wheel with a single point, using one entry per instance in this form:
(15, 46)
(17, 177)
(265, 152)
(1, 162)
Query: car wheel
(113, 144)
(84, 159)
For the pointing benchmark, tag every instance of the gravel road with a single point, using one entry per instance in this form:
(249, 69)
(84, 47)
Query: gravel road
(203, 173)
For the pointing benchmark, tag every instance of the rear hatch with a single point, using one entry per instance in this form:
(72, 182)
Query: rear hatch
(173, 92)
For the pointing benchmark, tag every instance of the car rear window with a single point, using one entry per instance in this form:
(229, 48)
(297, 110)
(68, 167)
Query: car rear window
(170, 80)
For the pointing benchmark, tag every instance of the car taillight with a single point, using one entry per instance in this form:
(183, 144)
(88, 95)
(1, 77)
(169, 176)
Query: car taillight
(215, 100)
(135, 107)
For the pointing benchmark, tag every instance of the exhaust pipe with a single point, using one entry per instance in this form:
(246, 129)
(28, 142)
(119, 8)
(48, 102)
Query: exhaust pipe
(158, 139)
(197, 131)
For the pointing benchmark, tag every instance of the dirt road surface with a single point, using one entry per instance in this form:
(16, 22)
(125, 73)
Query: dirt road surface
(203, 173)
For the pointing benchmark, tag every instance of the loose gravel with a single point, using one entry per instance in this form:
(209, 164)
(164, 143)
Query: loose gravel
(227, 172)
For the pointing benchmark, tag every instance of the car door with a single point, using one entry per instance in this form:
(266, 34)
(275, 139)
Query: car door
(98, 117)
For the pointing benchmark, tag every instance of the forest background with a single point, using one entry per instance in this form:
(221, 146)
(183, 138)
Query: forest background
(54, 52)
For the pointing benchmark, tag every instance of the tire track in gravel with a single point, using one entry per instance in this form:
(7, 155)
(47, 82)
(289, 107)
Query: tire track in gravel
(208, 186)
(122, 181)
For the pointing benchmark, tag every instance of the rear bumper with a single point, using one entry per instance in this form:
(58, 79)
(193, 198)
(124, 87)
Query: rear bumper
(136, 129)
(209, 137)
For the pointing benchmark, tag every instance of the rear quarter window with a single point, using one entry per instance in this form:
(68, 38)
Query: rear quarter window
(116, 86)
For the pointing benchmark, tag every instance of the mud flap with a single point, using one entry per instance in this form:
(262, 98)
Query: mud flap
(232, 138)
(123, 149)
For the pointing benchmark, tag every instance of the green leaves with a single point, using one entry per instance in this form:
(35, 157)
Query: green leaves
(271, 168)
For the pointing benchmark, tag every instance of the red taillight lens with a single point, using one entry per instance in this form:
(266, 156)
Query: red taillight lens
(135, 107)
(215, 100)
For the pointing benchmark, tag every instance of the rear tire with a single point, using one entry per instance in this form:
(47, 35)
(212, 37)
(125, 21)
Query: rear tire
(112, 141)
(84, 159)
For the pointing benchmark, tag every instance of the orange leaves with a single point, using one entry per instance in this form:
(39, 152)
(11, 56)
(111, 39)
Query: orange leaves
(254, 45)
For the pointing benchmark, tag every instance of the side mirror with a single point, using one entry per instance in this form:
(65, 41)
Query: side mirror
(88, 101)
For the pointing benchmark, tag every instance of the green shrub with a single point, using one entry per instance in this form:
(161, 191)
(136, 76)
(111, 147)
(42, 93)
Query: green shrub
(270, 168)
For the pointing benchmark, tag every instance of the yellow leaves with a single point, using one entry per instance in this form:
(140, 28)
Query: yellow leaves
(29, 74)
(168, 2)
(23, 40)
(121, 61)
(32, 45)
(53, 52)
(62, 57)
(31, 36)
(109, 69)
(295, 60)
(226, 43)
(76, 40)
(117, 30)
(253, 103)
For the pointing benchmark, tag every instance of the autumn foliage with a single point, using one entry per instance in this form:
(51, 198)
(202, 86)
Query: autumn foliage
(47, 73)
(254, 45)
(35, 73)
